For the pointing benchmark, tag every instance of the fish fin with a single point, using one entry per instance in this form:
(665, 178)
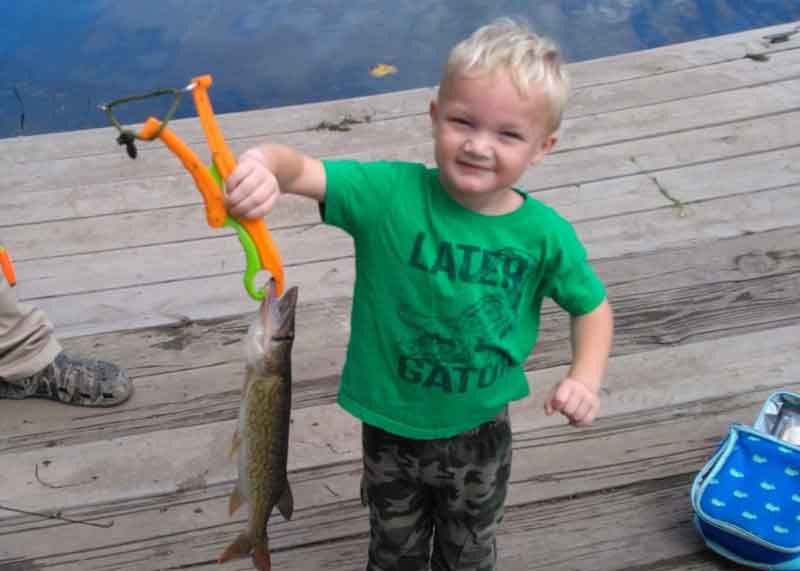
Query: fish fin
(261, 558)
(236, 500)
(286, 502)
(235, 443)
(239, 548)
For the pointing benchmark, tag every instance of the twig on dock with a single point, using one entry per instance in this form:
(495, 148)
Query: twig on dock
(57, 516)
(680, 207)
(56, 487)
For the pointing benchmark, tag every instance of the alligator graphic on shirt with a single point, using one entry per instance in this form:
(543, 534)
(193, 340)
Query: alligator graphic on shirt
(475, 330)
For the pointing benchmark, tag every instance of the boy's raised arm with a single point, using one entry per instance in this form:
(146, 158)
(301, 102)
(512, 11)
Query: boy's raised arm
(263, 173)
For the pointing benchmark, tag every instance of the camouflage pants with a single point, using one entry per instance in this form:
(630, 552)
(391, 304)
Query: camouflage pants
(448, 492)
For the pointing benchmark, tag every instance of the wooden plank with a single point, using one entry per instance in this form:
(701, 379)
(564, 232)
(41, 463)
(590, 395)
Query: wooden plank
(707, 52)
(676, 149)
(680, 114)
(712, 220)
(702, 81)
(85, 201)
(187, 258)
(177, 301)
(634, 527)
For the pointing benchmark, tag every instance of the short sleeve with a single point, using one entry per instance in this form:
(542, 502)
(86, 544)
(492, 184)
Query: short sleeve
(356, 193)
(571, 281)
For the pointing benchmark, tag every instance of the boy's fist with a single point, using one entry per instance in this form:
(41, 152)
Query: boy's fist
(252, 189)
(574, 399)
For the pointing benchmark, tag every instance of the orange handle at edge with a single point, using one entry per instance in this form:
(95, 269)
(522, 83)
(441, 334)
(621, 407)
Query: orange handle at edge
(212, 195)
(221, 155)
(7, 266)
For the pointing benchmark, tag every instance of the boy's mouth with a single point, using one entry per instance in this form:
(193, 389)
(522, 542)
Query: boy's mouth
(468, 165)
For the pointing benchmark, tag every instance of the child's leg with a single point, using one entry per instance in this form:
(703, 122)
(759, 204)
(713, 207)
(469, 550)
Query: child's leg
(399, 505)
(470, 496)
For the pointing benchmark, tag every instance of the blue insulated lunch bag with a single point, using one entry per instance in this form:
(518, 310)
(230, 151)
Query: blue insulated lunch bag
(746, 499)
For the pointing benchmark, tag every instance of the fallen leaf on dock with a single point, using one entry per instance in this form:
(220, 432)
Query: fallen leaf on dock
(382, 69)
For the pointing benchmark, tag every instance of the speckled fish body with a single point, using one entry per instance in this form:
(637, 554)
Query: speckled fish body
(262, 435)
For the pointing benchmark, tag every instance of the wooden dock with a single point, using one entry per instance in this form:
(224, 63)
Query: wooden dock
(680, 169)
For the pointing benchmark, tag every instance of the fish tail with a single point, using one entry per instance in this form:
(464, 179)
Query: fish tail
(236, 550)
(261, 558)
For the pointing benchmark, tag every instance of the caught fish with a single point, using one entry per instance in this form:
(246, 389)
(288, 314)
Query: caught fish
(262, 435)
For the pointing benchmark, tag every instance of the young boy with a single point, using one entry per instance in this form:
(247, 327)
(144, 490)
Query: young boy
(452, 265)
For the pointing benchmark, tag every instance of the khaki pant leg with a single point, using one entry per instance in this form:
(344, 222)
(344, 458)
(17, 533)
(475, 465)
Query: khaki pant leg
(27, 344)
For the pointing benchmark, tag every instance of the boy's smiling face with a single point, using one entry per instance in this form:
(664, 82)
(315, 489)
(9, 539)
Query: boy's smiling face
(485, 135)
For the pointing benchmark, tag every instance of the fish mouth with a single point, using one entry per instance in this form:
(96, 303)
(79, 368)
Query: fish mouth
(277, 313)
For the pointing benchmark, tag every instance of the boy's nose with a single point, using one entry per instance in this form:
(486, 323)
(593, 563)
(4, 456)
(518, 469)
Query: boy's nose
(477, 145)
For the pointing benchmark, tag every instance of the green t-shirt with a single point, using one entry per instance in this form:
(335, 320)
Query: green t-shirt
(447, 301)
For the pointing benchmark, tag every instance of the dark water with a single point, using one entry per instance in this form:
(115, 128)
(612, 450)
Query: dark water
(59, 59)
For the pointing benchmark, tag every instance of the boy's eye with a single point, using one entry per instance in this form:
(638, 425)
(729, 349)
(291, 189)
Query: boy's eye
(511, 135)
(461, 121)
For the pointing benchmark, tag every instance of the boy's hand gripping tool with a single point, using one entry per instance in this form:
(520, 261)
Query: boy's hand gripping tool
(260, 250)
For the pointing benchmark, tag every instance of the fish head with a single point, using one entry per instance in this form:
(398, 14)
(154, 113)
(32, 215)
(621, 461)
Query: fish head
(271, 333)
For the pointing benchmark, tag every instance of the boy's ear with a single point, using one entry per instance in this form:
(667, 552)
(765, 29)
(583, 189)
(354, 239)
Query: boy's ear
(433, 109)
(546, 147)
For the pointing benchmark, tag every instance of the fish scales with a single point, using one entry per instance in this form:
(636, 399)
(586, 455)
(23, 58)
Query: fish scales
(266, 453)
(262, 436)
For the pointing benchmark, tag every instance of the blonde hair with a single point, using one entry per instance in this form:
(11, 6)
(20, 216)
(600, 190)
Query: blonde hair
(530, 60)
